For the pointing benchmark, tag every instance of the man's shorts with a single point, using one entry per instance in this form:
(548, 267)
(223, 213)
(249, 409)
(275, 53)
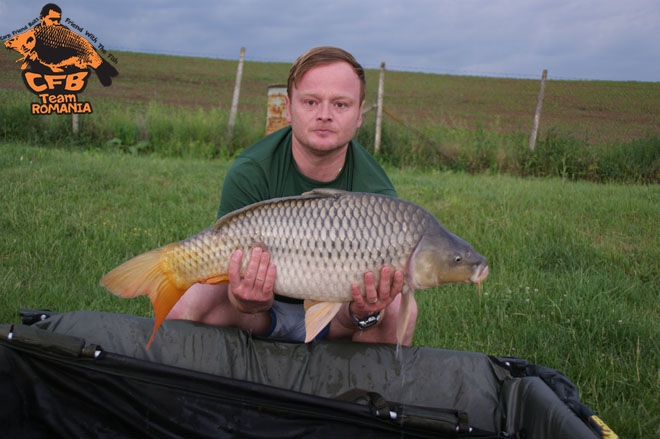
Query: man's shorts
(288, 322)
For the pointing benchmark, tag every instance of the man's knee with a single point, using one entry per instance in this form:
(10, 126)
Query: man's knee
(200, 302)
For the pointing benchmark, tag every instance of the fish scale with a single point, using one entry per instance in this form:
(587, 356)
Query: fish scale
(317, 255)
(321, 243)
(63, 43)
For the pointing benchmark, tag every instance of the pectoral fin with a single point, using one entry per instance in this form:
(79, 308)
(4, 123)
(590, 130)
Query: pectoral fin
(220, 279)
(317, 317)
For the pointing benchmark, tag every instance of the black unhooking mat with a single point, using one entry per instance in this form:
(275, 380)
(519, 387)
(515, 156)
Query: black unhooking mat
(87, 374)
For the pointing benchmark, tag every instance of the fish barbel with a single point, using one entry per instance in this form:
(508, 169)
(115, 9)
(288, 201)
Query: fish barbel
(320, 242)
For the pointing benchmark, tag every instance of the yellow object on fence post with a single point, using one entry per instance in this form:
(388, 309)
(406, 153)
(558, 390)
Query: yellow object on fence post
(276, 112)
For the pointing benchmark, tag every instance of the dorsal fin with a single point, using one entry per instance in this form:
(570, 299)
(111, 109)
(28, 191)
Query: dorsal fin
(324, 192)
(315, 193)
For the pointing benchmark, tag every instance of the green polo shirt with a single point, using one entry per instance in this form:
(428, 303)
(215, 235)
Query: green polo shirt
(267, 170)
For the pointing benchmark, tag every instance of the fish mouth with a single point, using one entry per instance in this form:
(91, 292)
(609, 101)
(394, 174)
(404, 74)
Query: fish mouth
(480, 274)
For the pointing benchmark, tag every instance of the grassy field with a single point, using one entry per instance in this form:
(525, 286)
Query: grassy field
(596, 111)
(179, 107)
(575, 266)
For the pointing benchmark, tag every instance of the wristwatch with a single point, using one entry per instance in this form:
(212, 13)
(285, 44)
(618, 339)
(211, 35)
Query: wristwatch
(366, 322)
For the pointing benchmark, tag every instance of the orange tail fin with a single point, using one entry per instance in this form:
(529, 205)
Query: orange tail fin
(142, 275)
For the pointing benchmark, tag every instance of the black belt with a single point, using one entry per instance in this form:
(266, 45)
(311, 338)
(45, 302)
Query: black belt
(286, 299)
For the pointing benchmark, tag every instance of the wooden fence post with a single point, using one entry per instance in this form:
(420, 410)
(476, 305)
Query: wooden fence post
(537, 115)
(234, 101)
(74, 123)
(379, 108)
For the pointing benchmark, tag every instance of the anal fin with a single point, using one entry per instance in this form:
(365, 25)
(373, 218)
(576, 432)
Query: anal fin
(317, 317)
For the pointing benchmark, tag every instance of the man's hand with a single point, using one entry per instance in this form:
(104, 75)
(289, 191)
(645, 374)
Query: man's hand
(253, 292)
(376, 298)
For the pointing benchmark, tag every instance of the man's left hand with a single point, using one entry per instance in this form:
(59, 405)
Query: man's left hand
(376, 297)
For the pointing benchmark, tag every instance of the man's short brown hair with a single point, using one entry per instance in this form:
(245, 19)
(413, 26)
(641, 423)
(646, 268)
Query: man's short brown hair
(320, 56)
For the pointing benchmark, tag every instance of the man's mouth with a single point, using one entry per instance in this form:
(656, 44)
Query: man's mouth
(323, 131)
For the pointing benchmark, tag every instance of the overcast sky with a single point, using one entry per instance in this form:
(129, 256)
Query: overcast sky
(573, 39)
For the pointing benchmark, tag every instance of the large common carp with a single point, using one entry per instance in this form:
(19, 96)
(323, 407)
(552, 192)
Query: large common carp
(320, 242)
(57, 48)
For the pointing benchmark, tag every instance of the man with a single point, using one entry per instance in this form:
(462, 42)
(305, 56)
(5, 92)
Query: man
(51, 15)
(325, 98)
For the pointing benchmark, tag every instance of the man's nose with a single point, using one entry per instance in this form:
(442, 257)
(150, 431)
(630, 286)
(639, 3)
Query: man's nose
(324, 111)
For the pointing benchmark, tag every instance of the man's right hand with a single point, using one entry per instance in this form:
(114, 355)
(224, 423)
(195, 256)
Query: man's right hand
(254, 292)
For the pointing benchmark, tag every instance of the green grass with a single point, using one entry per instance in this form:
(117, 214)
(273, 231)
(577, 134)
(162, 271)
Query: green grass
(575, 265)
(178, 131)
(592, 110)
(174, 106)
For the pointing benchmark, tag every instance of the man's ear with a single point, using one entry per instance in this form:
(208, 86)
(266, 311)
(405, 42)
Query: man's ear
(359, 119)
(287, 105)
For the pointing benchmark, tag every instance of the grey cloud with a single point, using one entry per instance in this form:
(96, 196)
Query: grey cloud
(590, 39)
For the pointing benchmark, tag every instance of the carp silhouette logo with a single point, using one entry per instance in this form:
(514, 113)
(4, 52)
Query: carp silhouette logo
(56, 63)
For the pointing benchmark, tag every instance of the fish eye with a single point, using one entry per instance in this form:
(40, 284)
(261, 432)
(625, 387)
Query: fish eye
(457, 258)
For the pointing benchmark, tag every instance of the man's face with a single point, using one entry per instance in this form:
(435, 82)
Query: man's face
(52, 18)
(325, 109)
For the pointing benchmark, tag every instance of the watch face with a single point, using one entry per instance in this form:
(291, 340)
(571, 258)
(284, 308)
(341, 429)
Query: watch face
(368, 321)
(365, 322)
